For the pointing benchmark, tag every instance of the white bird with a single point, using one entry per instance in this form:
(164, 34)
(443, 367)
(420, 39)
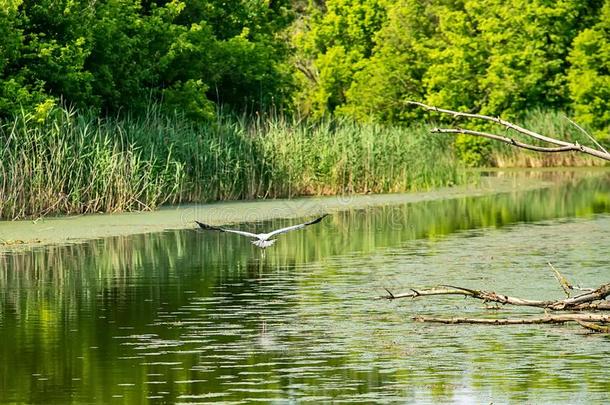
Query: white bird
(262, 240)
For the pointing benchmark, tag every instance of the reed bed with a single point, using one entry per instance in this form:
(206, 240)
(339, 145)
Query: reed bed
(78, 164)
(71, 163)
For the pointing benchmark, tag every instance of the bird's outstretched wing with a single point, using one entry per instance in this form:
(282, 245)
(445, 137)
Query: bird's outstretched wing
(295, 227)
(217, 228)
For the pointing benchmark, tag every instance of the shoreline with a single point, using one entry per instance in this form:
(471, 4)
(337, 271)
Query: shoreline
(24, 234)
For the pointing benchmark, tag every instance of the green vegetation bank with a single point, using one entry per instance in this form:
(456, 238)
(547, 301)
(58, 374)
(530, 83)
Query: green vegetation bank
(124, 104)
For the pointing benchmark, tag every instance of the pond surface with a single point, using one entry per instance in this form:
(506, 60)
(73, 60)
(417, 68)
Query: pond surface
(194, 317)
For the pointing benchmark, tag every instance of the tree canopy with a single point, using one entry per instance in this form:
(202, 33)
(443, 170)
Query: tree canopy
(494, 57)
(356, 58)
(121, 54)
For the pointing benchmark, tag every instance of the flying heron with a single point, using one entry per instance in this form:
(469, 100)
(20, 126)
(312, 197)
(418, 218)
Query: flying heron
(262, 240)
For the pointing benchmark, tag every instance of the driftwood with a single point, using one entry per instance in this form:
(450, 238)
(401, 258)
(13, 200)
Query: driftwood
(559, 145)
(592, 300)
(559, 318)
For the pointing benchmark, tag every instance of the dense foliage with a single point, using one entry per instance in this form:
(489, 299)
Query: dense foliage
(365, 57)
(114, 55)
(355, 58)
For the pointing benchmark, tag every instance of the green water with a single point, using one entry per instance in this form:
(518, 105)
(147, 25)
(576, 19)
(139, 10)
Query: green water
(195, 317)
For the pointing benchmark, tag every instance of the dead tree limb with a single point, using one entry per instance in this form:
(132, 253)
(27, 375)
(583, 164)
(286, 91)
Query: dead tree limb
(562, 146)
(575, 147)
(591, 300)
(559, 318)
(565, 284)
(589, 297)
(581, 129)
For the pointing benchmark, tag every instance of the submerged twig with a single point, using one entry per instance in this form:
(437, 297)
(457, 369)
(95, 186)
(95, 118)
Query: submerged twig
(565, 284)
(594, 326)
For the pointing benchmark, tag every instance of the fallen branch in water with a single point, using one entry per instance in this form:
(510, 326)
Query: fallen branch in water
(591, 300)
(585, 319)
(594, 299)
(560, 146)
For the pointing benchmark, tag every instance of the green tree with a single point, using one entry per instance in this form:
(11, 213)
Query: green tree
(332, 43)
(589, 74)
(396, 68)
(119, 55)
(480, 55)
(528, 44)
(19, 84)
(235, 51)
(129, 41)
(57, 43)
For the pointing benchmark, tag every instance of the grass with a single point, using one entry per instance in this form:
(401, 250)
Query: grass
(69, 163)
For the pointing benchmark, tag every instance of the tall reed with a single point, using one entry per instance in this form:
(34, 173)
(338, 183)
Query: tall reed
(77, 163)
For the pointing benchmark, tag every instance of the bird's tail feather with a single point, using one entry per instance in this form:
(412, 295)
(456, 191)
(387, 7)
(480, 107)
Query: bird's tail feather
(263, 243)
